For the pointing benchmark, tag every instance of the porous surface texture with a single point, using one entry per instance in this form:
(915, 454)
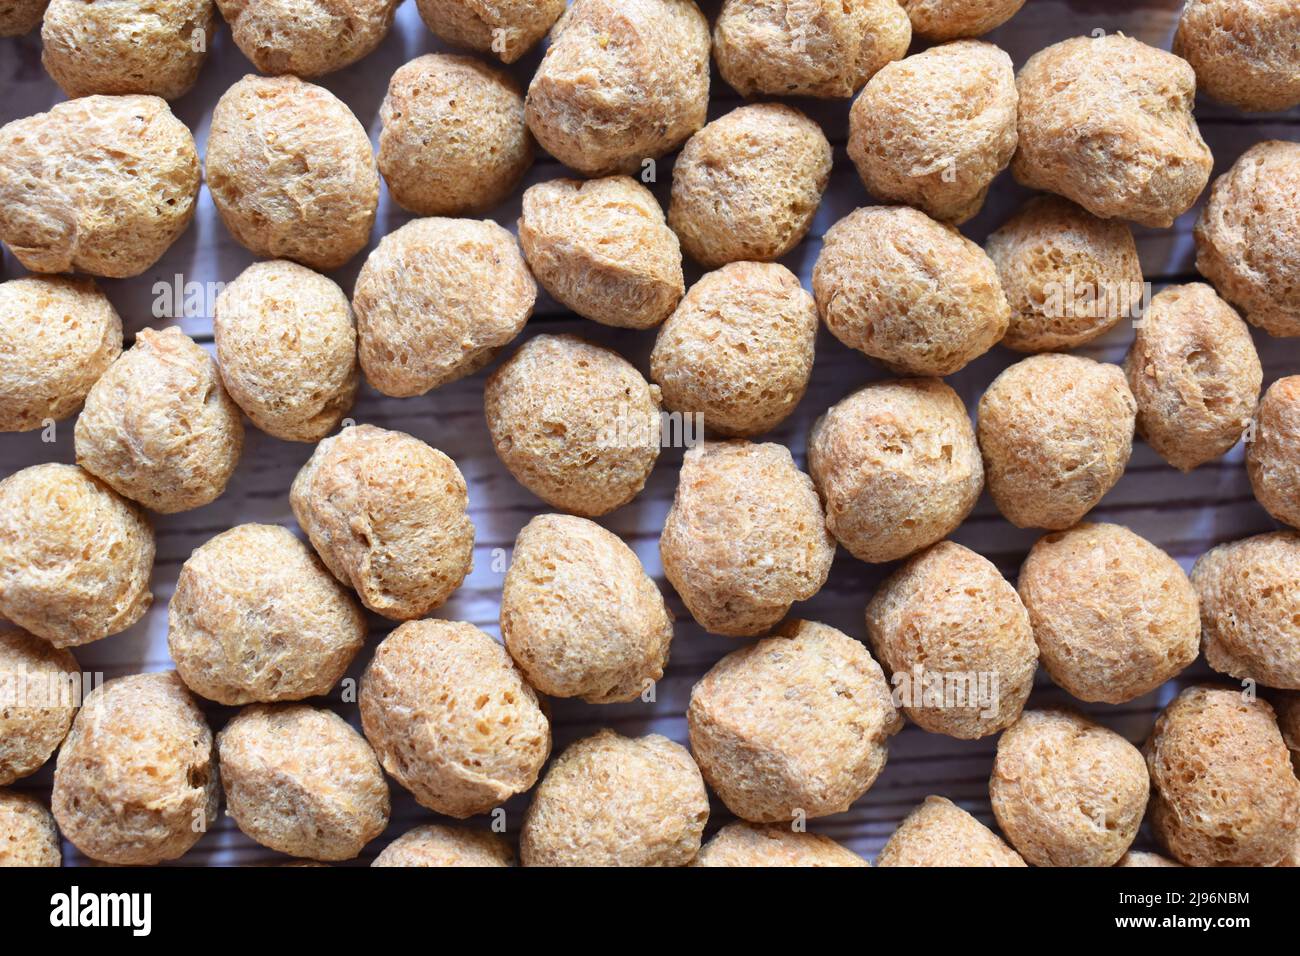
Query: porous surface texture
(307, 37)
(436, 300)
(290, 171)
(1056, 432)
(39, 687)
(21, 16)
(256, 617)
(580, 616)
(574, 422)
(434, 845)
(610, 800)
(100, 184)
(1223, 789)
(1195, 375)
(794, 726)
(505, 28)
(451, 717)
(622, 82)
(897, 467)
(1273, 457)
(1245, 52)
(754, 845)
(940, 833)
(934, 129)
(1114, 616)
(287, 349)
(950, 19)
(748, 185)
(136, 782)
(1107, 122)
(58, 335)
(738, 350)
(1066, 791)
(28, 836)
(910, 292)
(1248, 236)
(745, 537)
(75, 556)
(389, 516)
(454, 139)
(948, 619)
(159, 427)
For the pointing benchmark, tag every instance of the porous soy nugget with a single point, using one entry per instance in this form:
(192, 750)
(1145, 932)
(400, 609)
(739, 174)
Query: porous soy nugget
(256, 617)
(610, 800)
(451, 717)
(748, 185)
(291, 172)
(307, 37)
(136, 781)
(823, 48)
(57, 336)
(1107, 122)
(602, 248)
(623, 81)
(436, 300)
(738, 350)
(948, 616)
(950, 19)
(75, 556)
(389, 517)
(580, 616)
(159, 427)
(940, 833)
(1068, 276)
(750, 844)
(897, 467)
(1066, 791)
(28, 837)
(1245, 52)
(1223, 789)
(1195, 375)
(793, 726)
(39, 693)
(127, 46)
(20, 16)
(1114, 616)
(575, 423)
(434, 845)
(1248, 236)
(1140, 858)
(910, 292)
(298, 779)
(933, 130)
(1056, 432)
(287, 349)
(454, 139)
(100, 184)
(745, 537)
(505, 28)
(1250, 608)
(1273, 456)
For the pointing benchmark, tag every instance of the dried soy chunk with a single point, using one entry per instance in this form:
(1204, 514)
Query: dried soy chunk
(21, 16)
(290, 171)
(824, 48)
(897, 467)
(307, 37)
(1244, 54)
(389, 516)
(793, 727)
(156, 48)
(745, 537)
(1273, 456)
(435, 845)
(951, 19)
(139, 743)
(1107, 122)
(454, 139)
(505, 28)
(28, 836)
(159, 427)
(1223, 789)
(940, 833)
(622, 83)
(58, 335)
(933, 130)
(750, 844)
(300, 780)
(99, 184)
(1066, 791)
(40, 687)
(610, 800)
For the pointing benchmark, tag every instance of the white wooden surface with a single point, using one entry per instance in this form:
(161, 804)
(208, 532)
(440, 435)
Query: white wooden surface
(1183, 514)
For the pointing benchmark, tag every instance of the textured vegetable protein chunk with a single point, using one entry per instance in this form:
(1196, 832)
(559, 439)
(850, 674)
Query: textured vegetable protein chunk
(505, 28)
(40, 688)
(749, 845)
(434, 845)
(950, 19)
(28, 837)
(307, 37)
(1245, 52)
(21, 16)
(1273, 457)
(940, 833)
